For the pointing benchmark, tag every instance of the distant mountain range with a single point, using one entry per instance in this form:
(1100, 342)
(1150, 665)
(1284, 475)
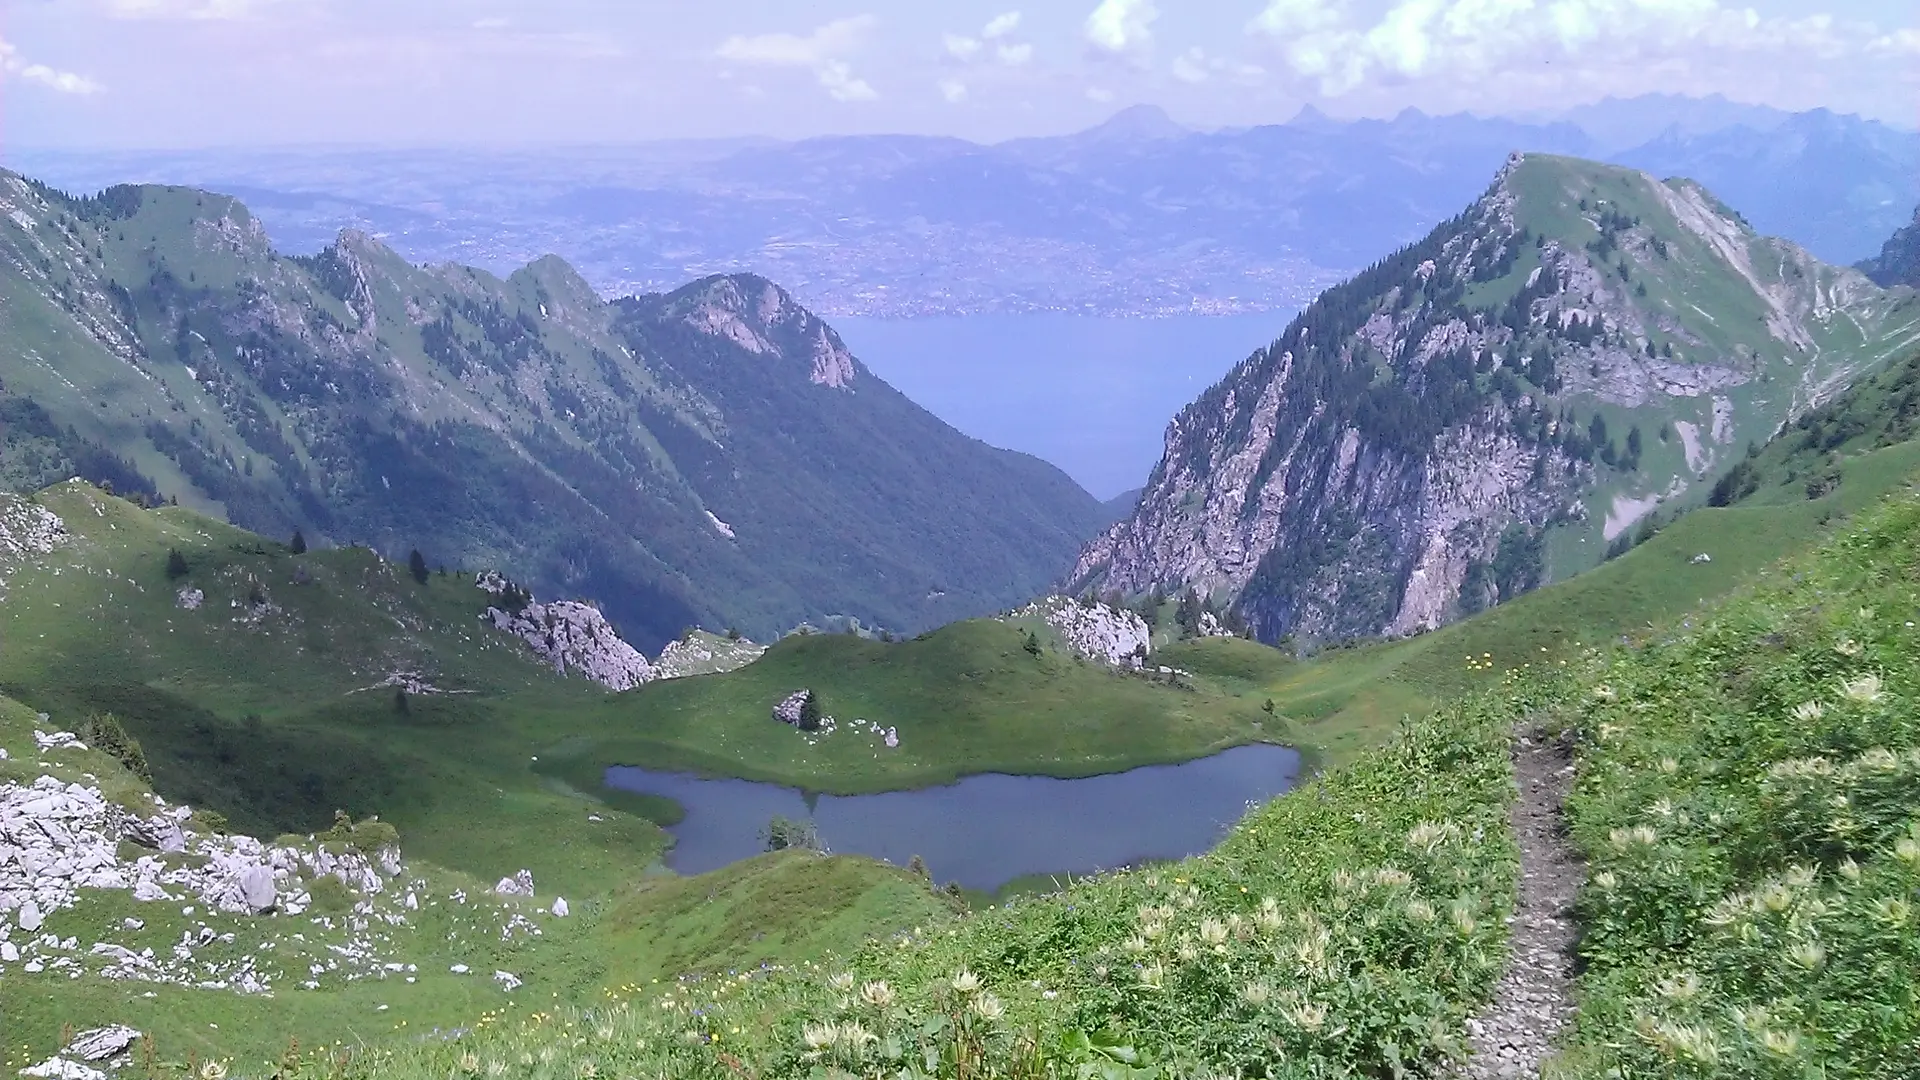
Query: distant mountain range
(1137, 216)
(1496, 406)
(709, 456)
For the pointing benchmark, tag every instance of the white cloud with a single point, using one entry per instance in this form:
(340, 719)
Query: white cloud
(1001, 25)
(1485, 43)
(1191, 66)
(823, 52)
(953, 90)
(65, 82)
(841, 84)
(1121, 25)
(1099, 94)
(1904, 41)
(967, 48)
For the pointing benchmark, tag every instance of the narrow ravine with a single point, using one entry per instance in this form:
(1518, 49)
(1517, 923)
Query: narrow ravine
(1534, 1000)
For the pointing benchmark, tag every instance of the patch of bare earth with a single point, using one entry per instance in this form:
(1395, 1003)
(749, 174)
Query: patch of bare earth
(1533, 1001)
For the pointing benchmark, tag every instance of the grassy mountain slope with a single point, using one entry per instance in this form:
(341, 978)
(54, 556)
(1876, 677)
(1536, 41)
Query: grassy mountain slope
(1744, 799)
(714, 455)
(784, 906)
(1485, 410)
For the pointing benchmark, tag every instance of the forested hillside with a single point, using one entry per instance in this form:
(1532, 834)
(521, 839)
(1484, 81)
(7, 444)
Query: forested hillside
(711, 456)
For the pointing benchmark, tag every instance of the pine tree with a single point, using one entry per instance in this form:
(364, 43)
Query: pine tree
(176, 564)
(1032, 644)
(298, 545)
(417, 565)
(810, 712)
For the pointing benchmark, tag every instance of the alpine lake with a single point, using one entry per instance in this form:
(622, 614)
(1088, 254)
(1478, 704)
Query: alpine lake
(986, 830)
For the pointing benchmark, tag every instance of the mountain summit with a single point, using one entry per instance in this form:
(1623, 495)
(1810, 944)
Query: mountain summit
(1493, 405)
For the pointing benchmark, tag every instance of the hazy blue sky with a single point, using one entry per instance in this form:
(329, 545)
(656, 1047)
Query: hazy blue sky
(222, 72)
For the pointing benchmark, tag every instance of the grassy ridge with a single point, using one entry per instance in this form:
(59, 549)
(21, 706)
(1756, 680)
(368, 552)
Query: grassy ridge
(1749, 800)
(965, 698)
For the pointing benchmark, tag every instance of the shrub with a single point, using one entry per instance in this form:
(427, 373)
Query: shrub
(104, 733)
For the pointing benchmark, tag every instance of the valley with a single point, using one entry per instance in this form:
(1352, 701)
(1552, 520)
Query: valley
(288, 797)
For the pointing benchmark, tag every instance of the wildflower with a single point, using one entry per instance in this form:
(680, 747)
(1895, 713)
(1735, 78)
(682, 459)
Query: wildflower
(1153, 976)
(1463, 920)
(1187, 953)
(1866, 689)
(213, 1070)
(1847, 647)
(817, 1037)
(1419, 910)
(877, 994)
(1809, 711)
(853, 1038)
(1783, 1043)
(1605, 693)
(1308, 1015)
(1669, 766)
(1878, 760)
(1392, 878)
(966, 982)
(1893, 911)
(1800, 875)
(1682, 987)
(989, 1008)
(842, 981)
(1213, 931)
(1776, 898)
(1606, 881)
(1808, 954)
(469, 1063)
(1662, 807)
(1907, 850)
(1255, 993)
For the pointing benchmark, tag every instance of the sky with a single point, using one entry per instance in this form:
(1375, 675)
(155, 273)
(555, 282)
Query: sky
(201, 73)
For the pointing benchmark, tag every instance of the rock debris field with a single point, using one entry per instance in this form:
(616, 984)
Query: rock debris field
(147, 896)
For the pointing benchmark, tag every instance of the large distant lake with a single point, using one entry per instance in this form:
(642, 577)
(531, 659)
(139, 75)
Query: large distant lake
(1092, 395)
(987, 829)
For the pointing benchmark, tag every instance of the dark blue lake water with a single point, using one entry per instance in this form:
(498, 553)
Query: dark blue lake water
(1092, 395)
(988, 829)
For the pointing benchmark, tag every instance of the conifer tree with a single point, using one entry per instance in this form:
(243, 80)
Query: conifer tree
(298, 545)
(417, 565)
(176, 564)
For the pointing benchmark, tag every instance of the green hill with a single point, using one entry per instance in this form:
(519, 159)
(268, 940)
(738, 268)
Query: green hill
(714, 456)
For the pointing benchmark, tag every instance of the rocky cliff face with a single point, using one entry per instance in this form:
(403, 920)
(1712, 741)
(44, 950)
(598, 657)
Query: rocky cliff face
(1580, 344)
(574, 637)
(1112, 636)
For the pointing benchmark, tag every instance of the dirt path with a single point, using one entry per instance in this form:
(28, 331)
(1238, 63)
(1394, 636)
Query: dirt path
(1533, 1001)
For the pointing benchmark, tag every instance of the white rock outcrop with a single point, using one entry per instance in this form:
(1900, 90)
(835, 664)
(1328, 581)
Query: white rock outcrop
(705, 654)
(1095, 631)
(573, 637)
